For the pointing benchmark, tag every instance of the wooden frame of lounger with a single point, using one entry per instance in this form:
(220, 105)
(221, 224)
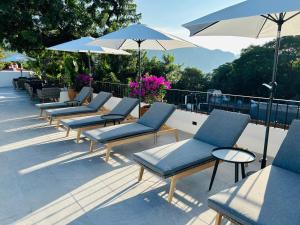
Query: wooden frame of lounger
(220, 216)
(128, 119)
(185, 173)
(59, 118)
(109, 145)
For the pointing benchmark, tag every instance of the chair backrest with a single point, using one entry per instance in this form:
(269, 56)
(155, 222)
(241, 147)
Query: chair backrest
(288, 156)
(52, 92)
(222, 128)
(99, 100)
(84, 93)
(125, 106)
(157, 115)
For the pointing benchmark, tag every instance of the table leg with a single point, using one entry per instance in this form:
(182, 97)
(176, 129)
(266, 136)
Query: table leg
(236, 165)
(214, 174)
(243, 170)
(105, 123)
(114, 122)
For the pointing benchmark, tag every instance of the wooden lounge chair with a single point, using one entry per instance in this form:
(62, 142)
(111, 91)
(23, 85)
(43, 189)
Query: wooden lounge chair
(79, 100)
(184, 158)
(123, 109)
(149, 125)
(78, 111)
(269, 196)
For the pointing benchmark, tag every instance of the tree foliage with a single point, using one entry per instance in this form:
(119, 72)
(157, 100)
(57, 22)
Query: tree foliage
(36, 24)
(246, 74)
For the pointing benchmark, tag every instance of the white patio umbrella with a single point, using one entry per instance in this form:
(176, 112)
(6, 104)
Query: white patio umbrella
(141, 37)
(17, 57)
(80, 45)
(253, 18)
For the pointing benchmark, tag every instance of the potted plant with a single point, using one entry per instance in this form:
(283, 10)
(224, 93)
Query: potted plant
(152, 89)
(71, 68)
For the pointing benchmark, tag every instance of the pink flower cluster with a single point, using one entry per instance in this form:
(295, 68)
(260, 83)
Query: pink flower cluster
(152, 89)
(83, 79)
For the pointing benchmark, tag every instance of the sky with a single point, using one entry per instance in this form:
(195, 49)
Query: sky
(169, 15)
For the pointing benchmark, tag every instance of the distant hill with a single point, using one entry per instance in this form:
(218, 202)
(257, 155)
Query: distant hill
(201, 58)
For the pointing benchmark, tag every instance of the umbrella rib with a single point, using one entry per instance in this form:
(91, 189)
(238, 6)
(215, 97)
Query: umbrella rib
(270, 17)
(122, 44)
(206, 27)
(161, 45)
(262, 27)
(296, 14)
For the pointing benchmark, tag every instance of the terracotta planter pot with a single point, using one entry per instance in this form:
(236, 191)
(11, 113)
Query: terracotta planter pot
(144, 109)
(72, 93)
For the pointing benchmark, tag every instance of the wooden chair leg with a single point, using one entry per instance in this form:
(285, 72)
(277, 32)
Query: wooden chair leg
(218, 219)
(41, 113)
(92, 145)
(176, 135)
(50, 120)
(68, 131)
(57, 123)
(108, 150)
(172, 189)
(141, 173)
(78, 136)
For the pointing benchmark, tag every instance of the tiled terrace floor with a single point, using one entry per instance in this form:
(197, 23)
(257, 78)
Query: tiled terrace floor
(46, 178)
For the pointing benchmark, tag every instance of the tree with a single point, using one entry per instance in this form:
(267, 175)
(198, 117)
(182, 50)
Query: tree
(192, 79)
(36, 24)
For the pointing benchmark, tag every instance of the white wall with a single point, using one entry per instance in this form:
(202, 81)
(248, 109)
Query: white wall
(252, 138)
(7, 76)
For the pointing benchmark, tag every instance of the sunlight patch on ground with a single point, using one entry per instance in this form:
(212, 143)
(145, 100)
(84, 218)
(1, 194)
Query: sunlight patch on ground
(29, 127)
(47, 138)
(50, 163)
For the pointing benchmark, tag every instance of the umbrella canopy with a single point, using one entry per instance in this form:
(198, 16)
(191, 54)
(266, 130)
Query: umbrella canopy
(17, 57)
(80, 45)
(254, 18)
(149, 39)
(141, 37)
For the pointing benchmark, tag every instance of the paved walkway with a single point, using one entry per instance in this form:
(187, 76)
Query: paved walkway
(46, 178)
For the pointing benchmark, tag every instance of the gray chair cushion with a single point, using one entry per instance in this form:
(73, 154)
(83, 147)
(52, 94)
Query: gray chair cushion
(70, 111)
(222, 128)
(52, 105)
(170, 159)
(76, 123)
(157, 115)
(288, 156)
(107, 134)
(125, 106)
(99, 100)
(84, 93)
(270, 196)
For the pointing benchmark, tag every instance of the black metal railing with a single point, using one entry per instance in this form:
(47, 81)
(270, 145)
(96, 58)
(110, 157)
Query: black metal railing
(283, 111)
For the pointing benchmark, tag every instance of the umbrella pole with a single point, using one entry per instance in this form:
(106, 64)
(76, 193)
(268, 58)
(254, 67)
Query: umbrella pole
(90, 67)
(21, 70)
(272, 92)
(140, 76)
